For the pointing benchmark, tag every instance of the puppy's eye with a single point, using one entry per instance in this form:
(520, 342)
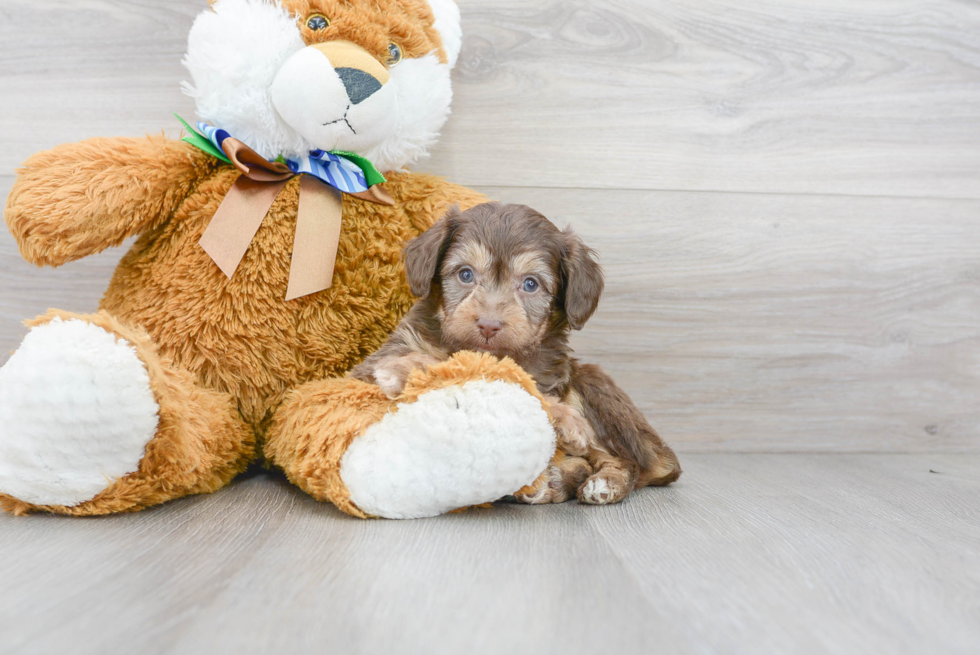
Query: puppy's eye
(317, 22)
(394, 54)
(530, 285)
(466, 276)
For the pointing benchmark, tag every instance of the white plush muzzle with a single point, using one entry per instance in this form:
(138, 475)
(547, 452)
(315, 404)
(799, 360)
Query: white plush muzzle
(255, 77)
(342, 108)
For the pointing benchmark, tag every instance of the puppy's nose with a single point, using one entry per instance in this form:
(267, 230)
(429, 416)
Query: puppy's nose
(488, 327)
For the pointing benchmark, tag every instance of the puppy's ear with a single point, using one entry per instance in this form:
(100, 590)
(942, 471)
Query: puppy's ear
(582, 279)
(424, 253)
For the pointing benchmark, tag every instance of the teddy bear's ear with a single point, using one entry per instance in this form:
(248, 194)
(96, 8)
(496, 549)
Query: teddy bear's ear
(447, 24)
(424, 253)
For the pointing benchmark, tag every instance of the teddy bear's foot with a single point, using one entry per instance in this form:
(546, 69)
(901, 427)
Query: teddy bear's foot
(76, 411)
(89, 422)
(464, 432)
(453, 447)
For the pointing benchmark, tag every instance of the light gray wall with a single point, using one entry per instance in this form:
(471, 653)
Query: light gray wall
(785, 195)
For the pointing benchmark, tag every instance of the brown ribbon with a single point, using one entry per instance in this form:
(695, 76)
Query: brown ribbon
(318, 219)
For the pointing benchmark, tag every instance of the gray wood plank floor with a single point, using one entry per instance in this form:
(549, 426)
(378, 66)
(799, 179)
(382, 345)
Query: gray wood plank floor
(746, 554)
(785, 197)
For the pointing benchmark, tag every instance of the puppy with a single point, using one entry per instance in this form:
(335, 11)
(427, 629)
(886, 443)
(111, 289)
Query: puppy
(503, 279)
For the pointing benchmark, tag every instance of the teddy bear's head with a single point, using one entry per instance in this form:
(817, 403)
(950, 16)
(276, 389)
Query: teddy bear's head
(290, 76)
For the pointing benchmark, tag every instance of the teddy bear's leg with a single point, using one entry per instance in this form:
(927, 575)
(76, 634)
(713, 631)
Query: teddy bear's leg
(93, 421)
(465, 432)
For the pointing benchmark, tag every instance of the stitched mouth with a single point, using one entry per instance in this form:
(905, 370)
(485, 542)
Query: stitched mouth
(344, 119)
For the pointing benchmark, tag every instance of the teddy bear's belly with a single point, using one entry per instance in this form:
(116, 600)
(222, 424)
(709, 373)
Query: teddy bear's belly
(240, 335)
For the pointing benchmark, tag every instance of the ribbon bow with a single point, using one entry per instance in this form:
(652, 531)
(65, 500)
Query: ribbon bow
(324, 177)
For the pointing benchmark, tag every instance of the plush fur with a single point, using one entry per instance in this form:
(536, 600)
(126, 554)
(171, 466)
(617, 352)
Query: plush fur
(235, 336)
(200, 443)
(503, 279)
(233, 56)
(447, 24)
(236, 371)
(104, 413)
(237, 52)
(314, 439)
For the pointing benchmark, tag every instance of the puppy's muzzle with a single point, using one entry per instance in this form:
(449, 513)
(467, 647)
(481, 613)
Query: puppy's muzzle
(488, 327)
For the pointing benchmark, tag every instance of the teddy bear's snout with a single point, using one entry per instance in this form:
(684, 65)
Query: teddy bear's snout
(357, 64)
(359, 85)
(337, 95)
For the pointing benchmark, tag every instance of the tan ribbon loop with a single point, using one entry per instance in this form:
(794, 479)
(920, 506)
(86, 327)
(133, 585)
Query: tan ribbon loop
(318, 219)
(317, 238)
(237, 220)
(253, 164)
(375, 194)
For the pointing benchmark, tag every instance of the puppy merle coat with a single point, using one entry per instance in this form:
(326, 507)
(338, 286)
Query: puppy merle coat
(503, 279)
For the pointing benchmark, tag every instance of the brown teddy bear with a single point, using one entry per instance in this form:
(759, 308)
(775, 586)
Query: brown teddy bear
(267, 265)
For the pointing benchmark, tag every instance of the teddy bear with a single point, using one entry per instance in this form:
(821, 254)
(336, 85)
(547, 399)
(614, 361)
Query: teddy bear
(267, 264)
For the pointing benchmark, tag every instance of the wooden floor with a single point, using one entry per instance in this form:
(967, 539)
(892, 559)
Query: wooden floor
(747, 554)
(786, 198)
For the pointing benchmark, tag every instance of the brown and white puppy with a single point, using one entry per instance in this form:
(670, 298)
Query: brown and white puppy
(503, 279)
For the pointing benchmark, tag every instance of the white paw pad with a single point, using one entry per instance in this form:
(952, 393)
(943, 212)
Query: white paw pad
(76, 412)
(453, 447)
(595, 491)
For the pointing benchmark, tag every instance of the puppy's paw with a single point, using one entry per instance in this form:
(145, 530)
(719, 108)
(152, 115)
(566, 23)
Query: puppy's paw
(561, 481)
(552, 491)
(391, 373)
(391, 379)
(572, 429)
(604, 488)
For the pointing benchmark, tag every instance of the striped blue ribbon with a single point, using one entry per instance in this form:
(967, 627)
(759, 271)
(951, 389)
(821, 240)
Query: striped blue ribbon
(335, 170)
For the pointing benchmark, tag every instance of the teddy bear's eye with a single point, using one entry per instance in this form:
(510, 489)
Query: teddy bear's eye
(317, 22)
(394, 54)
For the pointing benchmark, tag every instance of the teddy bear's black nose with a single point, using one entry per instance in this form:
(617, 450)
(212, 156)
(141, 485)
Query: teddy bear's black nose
(360, 85)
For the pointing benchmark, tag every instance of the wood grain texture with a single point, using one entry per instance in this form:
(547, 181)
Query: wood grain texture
(76, 69)
(863, 98)
(869, 98)
(778, 323)
(747, 554)
(740, 322)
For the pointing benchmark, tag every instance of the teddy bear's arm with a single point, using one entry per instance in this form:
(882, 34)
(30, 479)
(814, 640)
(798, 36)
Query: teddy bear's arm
(81, 198)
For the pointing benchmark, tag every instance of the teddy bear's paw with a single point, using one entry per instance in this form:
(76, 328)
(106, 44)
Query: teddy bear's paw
(76, 411)
(453, 447)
